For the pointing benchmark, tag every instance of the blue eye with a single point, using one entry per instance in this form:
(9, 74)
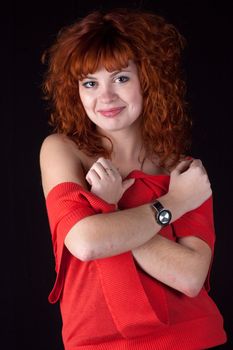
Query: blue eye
(122, 79)
(89, 84)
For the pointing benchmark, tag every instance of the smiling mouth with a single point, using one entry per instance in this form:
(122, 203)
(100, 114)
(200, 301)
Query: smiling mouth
(111, 112)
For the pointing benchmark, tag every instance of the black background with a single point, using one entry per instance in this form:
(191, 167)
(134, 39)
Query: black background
(27, 258)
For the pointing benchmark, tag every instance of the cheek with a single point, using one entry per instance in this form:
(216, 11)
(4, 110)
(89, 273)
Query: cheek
(137, 100)
(86, 100)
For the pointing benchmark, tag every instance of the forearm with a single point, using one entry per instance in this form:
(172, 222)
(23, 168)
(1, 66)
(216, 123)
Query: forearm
(105, 235)
(174, 264)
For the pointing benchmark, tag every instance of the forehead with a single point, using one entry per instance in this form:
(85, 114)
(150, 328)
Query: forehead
(93, 59)
(102, 70)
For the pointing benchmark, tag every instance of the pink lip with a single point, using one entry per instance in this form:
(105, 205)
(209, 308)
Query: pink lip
(111, 112)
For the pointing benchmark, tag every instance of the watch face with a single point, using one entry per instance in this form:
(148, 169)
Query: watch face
(164, 217)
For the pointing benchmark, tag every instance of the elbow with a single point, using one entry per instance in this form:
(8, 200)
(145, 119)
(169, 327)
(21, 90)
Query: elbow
(80, 250)
(84, 255)
(78, 244)
(191, 287)
(192, 292)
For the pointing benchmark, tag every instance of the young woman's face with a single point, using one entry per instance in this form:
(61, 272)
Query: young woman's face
(112, 100)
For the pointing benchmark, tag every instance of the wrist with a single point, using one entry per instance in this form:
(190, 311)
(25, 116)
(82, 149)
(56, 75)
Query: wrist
(171, 203)
(163, 215)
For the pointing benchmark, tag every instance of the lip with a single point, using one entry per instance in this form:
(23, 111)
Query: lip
(111, 112)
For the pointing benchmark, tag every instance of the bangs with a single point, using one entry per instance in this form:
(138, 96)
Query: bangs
(112, 53)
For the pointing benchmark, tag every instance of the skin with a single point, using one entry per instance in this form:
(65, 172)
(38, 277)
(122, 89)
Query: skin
(104, 90)
(182, 265)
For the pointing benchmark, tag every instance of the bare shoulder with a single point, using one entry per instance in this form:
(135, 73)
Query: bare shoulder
(60, 162)
(55, 142)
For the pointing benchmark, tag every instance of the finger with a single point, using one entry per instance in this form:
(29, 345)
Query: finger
(107, 164)
(111, 173)
(92, 176)
(183, 166)
(197, 163)
(100, 169)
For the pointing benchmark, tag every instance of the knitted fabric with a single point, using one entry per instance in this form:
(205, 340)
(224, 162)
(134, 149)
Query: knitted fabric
(111, 303)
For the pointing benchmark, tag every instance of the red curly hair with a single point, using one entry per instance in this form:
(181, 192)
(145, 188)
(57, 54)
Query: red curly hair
(112, 39)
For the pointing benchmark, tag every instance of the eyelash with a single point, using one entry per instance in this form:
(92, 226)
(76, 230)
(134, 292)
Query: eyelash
(125, 78)
(86, 84)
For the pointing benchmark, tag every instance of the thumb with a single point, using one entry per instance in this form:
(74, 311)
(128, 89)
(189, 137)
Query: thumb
(127, 183)
(182, 166)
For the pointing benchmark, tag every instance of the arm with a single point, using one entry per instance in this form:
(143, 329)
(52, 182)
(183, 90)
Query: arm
(99, 235)
(105, 235)
(182, 265)
(109, 234)
(59, 163)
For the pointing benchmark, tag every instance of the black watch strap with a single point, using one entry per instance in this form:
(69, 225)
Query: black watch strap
(163, 216)
(158, 206)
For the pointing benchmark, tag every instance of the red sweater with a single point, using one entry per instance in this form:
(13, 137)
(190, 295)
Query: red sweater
(112, 303)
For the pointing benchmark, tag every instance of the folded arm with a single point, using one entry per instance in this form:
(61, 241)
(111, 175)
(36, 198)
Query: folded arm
(100, 235)
(182, 265)
(135, 229)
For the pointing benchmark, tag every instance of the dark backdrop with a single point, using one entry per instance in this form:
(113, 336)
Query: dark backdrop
(28, 265)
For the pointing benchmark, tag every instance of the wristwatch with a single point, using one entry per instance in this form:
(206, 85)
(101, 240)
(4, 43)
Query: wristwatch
(163, 216)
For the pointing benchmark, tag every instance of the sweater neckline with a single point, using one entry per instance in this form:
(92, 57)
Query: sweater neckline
(136, 173)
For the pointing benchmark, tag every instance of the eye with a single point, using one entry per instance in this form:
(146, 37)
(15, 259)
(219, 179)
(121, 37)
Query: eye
(122, 79)
(89, 84)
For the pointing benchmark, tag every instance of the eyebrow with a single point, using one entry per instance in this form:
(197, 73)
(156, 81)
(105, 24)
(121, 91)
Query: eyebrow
(111, 75)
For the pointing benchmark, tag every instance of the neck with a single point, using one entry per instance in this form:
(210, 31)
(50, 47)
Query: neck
(127, 146)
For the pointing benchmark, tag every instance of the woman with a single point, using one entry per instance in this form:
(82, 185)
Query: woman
(130, 214)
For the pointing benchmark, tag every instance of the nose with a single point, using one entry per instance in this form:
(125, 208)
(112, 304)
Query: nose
(107, 94)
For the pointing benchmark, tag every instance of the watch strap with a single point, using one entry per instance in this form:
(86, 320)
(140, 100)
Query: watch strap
(163, 216)
(157, 206)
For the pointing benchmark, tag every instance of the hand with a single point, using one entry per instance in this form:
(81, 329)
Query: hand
(106, 181)
(189, 184)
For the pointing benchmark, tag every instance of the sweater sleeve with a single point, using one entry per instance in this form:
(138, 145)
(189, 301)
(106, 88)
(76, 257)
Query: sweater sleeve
(67, 203)
(198, 223)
